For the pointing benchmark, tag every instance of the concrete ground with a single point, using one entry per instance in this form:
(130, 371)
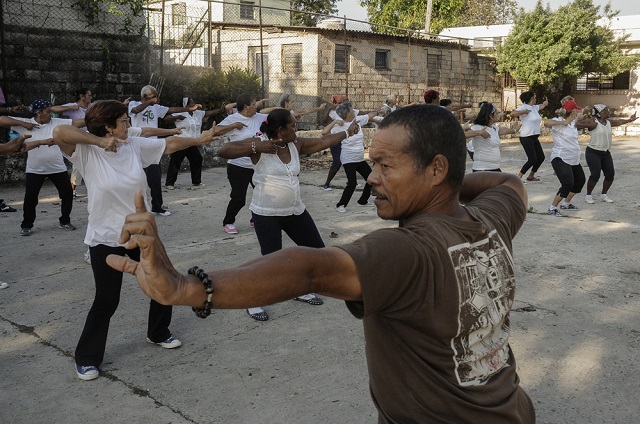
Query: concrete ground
(574, 325)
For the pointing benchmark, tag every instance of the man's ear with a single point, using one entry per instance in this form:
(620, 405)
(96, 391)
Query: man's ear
(440, 169)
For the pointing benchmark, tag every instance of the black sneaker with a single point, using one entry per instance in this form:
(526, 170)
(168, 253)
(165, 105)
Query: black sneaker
(5, 208)
(25, 231)
(68, 227)
(554, 212)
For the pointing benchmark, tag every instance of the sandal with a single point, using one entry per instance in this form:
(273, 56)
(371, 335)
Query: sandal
(311, 299)
(259, 316)
(533, 179)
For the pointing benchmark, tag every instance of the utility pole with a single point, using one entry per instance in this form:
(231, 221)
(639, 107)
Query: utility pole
(427, 19)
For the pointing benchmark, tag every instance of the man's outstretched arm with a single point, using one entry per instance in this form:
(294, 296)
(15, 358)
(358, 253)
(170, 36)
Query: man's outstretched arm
(276, 277)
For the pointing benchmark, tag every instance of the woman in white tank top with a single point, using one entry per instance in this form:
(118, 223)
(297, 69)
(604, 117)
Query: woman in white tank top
(597, 154)
(276, 204)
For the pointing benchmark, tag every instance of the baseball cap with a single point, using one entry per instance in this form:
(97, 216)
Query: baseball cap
(570, 105)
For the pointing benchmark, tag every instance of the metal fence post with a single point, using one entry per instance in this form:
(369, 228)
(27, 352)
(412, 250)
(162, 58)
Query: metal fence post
(347, 61)
(162, 39)
(261, 46)
(408, 67)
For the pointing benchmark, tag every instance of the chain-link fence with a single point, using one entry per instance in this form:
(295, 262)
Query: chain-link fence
(338, 56)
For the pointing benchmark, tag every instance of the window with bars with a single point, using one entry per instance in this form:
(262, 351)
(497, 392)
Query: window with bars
(246, 10)
(595, 82)
(179, 14)
(292, 59)
(434, 64)
(382, 60)
(342, 54)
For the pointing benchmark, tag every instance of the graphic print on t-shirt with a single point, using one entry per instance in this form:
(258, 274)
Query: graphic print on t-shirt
(485, 278)
(148, 116)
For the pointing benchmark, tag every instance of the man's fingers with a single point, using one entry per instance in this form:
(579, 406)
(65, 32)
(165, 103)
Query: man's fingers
(138, 200)
(122, 264)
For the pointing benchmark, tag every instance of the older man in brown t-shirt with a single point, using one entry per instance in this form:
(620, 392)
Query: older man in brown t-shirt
(434, 294)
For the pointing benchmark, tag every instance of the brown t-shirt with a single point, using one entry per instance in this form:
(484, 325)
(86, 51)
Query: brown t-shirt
(436, 299)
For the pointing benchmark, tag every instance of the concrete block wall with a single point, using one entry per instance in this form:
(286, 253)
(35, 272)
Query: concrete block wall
(48, 49)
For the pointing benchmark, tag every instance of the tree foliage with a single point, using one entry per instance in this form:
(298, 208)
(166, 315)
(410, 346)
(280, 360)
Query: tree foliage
(553, 49)
(127, 9)
(411, 14)
(316, 9)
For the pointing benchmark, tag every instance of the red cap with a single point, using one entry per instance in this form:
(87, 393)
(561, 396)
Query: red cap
(570, 105)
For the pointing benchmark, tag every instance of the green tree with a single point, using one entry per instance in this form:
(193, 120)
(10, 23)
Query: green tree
(411, 14)
(315, 8)
(128, 10)
(550, 50)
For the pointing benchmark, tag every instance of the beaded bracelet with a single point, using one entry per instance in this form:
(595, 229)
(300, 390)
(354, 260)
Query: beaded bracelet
(205, 311)
(253, 148)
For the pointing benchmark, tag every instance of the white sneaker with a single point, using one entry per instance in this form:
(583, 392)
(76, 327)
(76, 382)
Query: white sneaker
(87, 373)
(341, 209)
(230, 229)
(87, 256)
(605, 198)
(3, 285)
(170, 343)
(589, 199)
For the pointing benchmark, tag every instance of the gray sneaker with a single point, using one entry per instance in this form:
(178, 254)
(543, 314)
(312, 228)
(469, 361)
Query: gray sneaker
(68, 227)
(25, 231)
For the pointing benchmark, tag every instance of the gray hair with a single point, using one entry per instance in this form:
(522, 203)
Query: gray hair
(343, 109)
(390, 98)
(284, 99)
(148, 89)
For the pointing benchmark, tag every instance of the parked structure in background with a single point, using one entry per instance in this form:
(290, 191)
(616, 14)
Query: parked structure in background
(620, 92)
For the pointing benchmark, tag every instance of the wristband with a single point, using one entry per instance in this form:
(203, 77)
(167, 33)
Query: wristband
(346, 134)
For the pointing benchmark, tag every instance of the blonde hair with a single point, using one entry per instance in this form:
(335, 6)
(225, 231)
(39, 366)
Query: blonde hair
(561, 112)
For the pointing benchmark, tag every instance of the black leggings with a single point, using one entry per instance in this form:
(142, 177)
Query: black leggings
(154, 181)
(194, 157)
(350, 169)
(300, 228)
(599, 161)
(535, 154)
(571, 177)
(108, 281)
(239, 178)
(34, 184)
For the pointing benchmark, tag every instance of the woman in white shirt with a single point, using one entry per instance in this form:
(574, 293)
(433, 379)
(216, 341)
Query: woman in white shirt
(191, 125)
(565, 156)
(352, 154)
(112, 166)
(530, 132)
(597, 154)
(43, 163)
(486, 156)
(276, 204)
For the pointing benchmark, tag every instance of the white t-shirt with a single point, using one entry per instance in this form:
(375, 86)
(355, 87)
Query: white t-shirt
(530, 121)
(601, 137)
(43, 160)
(191, 124)
(277, 188)
(112, 180)
(486, 154)
(352, 147)
(334, 116)
(251, 129)
(565, 142)
(75, 114)
(148, 118)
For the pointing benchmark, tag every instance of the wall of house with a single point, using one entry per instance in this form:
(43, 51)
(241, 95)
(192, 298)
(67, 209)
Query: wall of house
(460, 75)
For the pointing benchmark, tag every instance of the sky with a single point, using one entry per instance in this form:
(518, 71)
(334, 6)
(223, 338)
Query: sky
(353, 10)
